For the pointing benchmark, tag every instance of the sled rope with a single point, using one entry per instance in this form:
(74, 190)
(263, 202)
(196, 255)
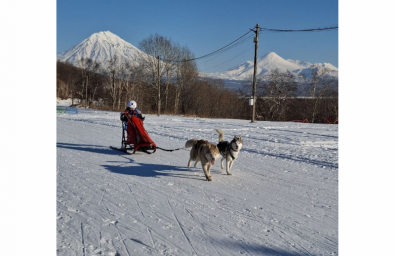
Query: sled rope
(169, 150)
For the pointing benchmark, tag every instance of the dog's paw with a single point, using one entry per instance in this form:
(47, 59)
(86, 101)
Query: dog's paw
(229, 173)
(209, 178)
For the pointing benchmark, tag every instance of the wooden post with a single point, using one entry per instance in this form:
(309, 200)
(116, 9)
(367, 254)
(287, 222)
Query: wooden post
(113, 89)
(86, 91)
(72, 92)
(254, 78)
(158, 87)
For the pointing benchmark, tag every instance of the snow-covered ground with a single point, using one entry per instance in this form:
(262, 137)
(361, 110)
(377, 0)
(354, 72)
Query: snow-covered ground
(282, 198)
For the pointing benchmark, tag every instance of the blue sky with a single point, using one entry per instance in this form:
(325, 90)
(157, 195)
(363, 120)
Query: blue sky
(205, 26)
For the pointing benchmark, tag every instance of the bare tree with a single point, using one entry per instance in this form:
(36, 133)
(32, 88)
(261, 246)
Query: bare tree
(123, 76)
(129, 83)
(315, 88)
(169, 60)
(134, 83)
(276, 90)
(330, 102)
(186, 74)
(68, 76)
(112, 73)
(157, 46)
(87, 65)
(96, 84)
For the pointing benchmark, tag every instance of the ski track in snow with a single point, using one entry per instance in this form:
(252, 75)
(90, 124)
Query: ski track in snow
(282, 198)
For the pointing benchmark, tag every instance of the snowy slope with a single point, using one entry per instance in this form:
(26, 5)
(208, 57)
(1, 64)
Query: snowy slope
(282, 198)
(101, 47)
(268, 62)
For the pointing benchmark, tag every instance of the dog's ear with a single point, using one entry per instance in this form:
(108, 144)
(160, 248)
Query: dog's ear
(235, 137)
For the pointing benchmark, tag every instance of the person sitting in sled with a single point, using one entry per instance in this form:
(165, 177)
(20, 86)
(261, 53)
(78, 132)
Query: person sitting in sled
(132, 110)
(139, 138)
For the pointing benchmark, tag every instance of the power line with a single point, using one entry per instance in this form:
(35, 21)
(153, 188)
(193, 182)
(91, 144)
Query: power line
(204, 56)
(249, 48)
(238, 42)
(225, 50)
(299, 30)
(215, 52)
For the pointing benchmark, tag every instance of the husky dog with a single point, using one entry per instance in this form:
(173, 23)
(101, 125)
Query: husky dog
(229, 150)
(202, 151)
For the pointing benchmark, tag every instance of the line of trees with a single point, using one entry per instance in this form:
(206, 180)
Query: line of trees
(284, 96)
(174, 87)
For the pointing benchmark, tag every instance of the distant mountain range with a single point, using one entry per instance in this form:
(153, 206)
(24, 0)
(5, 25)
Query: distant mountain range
(268, 62)
(102, 46)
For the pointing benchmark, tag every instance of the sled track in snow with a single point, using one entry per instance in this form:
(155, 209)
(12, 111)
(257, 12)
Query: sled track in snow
(201, 229)
(182, 230)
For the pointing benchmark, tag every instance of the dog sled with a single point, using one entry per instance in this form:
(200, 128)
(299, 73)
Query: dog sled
(134, 136)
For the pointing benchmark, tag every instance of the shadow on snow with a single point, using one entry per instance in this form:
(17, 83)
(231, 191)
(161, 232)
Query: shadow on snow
(258, 249)
(88, 148)
(130, 167)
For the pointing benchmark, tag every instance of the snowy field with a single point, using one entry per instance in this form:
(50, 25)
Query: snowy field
(282, 198)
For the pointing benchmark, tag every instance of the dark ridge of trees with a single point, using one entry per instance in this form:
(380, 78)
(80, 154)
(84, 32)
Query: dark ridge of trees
(200, 97)
(109, 86)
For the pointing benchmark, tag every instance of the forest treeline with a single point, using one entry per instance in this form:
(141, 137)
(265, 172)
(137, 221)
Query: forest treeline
(175, 87)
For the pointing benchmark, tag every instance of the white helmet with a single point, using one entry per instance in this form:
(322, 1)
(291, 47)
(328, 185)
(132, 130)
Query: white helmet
(132, 104)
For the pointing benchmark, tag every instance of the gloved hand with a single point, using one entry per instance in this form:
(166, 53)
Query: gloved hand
(141, 117)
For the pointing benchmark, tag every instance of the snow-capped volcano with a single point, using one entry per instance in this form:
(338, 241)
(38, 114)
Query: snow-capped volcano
(268, 62)
(101, 47)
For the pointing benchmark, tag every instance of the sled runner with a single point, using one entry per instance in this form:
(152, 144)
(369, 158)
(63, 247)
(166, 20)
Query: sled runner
(134, 136)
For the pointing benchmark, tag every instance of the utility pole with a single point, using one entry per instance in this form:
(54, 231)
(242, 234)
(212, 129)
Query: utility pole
(158, 87)
(113, 88)
(256, 38)
(86, 91)
(72, 92)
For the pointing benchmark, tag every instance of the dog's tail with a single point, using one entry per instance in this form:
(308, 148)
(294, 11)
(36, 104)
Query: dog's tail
(221, 135)
(190, 143)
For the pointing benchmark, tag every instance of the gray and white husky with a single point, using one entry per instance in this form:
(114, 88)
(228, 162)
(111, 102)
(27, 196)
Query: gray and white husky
(229, 150)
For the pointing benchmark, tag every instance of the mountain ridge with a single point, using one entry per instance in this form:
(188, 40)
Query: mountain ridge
(268, 62)
(102, 46)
